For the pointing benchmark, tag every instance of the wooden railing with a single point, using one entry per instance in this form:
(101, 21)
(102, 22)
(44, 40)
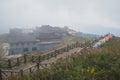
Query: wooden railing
(11, 63)
(4, 74)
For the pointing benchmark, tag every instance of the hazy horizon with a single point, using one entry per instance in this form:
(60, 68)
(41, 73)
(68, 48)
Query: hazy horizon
(89, 16)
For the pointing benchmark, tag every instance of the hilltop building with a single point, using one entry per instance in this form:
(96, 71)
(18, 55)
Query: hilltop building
(49, 33)
(21, 41)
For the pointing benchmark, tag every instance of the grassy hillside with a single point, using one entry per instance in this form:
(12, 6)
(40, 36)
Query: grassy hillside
(98, 64)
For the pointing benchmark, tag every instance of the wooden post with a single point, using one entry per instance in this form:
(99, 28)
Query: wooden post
(50, 55)
(18, 62)
(32, 60)
(11, 73)
(60, 51)
(39, 59)
(38, 67)
(82, 45)
(43, 57)
(9, 63)
(70, 47)
(63, 50)
(1, 74)
(67, 48)
(45, 65)
(21, 73)
(76, 44)
(73, 46)
(55, 53)
(25, 58)
(30, 69)
(47, 57)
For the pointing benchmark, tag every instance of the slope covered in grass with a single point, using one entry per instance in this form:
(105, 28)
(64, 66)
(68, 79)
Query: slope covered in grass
(99, 64)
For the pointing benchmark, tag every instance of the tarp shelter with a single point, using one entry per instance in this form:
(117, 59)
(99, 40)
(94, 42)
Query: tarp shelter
(98, 44)
(101, 41)
(106, 38)
(110, 36)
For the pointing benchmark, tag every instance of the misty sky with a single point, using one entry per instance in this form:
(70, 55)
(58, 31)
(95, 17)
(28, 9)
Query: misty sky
(91, 16)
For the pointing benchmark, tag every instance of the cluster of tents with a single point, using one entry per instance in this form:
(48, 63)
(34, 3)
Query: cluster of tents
(102, 41)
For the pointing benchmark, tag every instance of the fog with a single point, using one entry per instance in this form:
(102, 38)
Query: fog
(91, 16)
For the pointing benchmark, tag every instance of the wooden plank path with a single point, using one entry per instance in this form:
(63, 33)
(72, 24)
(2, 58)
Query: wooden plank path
(28, 68)
(48, 61)
(15, 62)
